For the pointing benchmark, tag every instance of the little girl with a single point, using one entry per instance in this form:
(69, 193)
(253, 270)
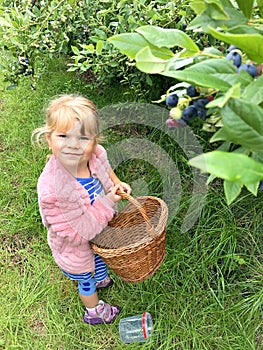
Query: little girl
(77, 195)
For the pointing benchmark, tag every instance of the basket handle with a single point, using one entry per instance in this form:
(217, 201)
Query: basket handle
(124, 195)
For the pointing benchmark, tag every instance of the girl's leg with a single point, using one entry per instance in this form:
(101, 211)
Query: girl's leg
(89, 301)
(97, 311)
(101, 276)
(86, 288)
(101, 270)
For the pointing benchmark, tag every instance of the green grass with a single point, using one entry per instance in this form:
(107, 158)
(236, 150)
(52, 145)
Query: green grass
(206, 295)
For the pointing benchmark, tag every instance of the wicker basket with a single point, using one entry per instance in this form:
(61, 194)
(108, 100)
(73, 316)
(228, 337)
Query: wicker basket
(133, 243)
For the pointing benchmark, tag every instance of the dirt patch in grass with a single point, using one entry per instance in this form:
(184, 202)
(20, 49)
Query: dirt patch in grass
(17, 249)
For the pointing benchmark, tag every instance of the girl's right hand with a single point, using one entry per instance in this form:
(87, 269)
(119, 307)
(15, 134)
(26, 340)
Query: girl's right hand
(113, 194)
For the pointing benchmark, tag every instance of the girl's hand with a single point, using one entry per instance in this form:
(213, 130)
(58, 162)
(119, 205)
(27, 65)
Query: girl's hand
(113, 194)
(121, 186)
(124, 187)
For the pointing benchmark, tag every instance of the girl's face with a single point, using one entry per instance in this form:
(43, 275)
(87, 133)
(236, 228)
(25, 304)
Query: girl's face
(72, 148)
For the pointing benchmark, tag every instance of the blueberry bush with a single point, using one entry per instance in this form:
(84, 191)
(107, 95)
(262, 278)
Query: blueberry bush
(221, 85)
(33, 31)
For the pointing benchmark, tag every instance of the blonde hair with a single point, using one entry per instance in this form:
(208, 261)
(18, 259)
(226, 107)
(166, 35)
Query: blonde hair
(62, 113)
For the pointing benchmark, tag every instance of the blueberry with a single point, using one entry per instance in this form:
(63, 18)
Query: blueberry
(201, 113)
(191, 91)
(200, 103)
(29, 72)
(250, 68)
(189, 113)
(24, 60)
(231, 48)
(260, 186)
(172, 100)
(235, 57)
(175, 113)
(22, 71)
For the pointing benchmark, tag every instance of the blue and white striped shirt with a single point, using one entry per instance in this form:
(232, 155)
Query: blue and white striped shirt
(92, 185)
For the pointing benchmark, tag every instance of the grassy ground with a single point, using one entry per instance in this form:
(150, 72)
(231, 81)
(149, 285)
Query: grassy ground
(206, 295)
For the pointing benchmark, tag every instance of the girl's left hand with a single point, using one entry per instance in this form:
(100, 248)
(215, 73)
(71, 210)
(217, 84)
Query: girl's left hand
(124, 187)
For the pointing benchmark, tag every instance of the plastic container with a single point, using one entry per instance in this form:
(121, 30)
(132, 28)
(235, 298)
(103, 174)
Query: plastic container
(136, 328)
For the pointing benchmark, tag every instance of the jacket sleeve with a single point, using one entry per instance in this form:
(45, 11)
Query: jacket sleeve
(77, 219)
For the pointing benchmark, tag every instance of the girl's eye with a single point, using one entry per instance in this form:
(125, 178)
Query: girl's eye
(85, 138)
(62, 135)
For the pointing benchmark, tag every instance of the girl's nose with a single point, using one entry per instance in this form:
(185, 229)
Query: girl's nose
(74, 142)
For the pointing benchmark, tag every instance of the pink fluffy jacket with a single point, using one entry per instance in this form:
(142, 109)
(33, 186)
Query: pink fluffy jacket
(66, 211)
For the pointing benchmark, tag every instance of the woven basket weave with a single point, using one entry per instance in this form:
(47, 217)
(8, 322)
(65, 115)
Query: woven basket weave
(133, 243)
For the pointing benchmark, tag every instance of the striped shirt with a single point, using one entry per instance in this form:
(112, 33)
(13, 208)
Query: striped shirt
(92, 185)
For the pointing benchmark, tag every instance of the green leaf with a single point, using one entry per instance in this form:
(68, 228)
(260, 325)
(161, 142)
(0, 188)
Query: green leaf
(235, 167)
(253, 187)
(234, 91)
(246, 7)
(243, 124)
(219, 101)
(131, 43)
(243, 29)
(214, 66)
(225, 146)
(222, 15)
(201, 21)
(75, 50)
(232, 190)
(212, 51)
(254, 91)
(243, 78)
(198, 6)
(167, 37)
(16, 43)
(177, 62)
(213, 7)
(252, 44)
(99, 47)
(242, 150)
(5, 23)
(88, 48)
(211, 73)
(72, 69)
(199, 79)
(216, 11)
(148, 63)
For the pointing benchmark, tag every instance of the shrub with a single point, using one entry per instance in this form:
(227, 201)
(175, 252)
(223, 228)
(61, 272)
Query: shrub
(236, 112)
(34, 31)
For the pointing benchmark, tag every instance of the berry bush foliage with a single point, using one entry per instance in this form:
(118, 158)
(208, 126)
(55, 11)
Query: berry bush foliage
(222, 86)
(34, 30)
